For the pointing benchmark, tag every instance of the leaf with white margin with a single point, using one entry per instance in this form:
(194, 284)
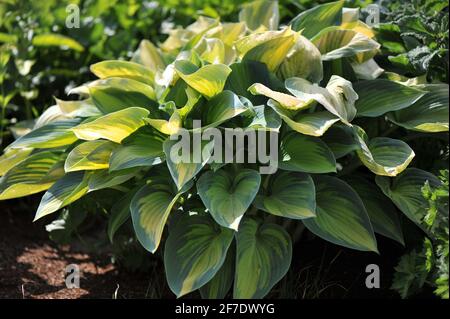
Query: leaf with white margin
(292, 195)
(101, 179)
(383, 155)
(405, 191)
(260, 13)
(114, 126)
(341, 216)
(228, 194)
(264, 254)
(194, 252)
(89, 155)
(285, 100)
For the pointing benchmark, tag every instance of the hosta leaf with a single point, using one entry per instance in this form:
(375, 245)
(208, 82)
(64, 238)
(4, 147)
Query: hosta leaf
(12, 157)
(291, 195)
(368, 70)
(59, 40)
(115, 94)
(194, 252)
(104, 179)
(142, 148)
(286, 101)
(150, 209)
(314, 124)
(260, 13)
(62, 193)
(380, 96)
(405, 191)
(228, 194)
(82, 108)
(168, 127)
(89, 156)
(334, 43)
(303, 61)
(308, 154)
(262, 117)
(120, 213)
(383, 155)
(54, 134)
(428, 114)
(314, 20)
(32, 175)
(264, 253)
(341, 216)
(220, 284)
(208, 80)
(221, 108)
(123, 69)
(341, 140)
(183, 167)
(228, 32)
(149, 56)
(114, 126)
(382, 213)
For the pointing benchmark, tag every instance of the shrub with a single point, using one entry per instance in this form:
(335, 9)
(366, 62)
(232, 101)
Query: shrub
(313, 86)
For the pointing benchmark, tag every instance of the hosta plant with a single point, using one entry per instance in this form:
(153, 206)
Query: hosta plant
(311, 88)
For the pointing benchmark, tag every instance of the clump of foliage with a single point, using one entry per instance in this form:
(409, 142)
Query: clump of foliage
(314, 84)
(428, 265)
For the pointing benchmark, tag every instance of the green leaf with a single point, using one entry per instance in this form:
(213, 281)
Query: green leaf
(62, 193)
(149, 56)
(194, 252)
(377, 97)
(383, 155)
(221, 108)
(114, 126)
(262, 117)
(314, 20)
(341, 140)
(264, 254)
(120, 213)
(90, 155)
(33, 174)
(101, 179)
(59, 40)
(308, 154)
(428, 114)
(228, 194)
(123, 69)
(260, 13)
(341, 216)
(82, 108)
(208, 80)
(220, 284)
(142, 148)
(335, 43)
(54, 134)
(12, 157)
(183, 167)
(405, 191)
(291, 195)
(382, 213)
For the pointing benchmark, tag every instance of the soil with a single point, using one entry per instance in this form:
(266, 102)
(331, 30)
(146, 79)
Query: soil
(32, 266)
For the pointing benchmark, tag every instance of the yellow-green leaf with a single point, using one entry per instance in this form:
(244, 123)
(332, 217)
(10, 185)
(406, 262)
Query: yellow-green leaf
(123, 69)
(91, 155)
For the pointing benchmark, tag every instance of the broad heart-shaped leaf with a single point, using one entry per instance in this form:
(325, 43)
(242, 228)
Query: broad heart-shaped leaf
(101, 179)
(220, 284)
(120, 213)
(168, 127)
(341, 140)
(382, 213)
(338, 97)
(184, 161)
(123, 69)
(221, 108)
(303, 61)
(89, 155)
(62, 193)
(243, 75)
(114, 126)
(405, 191)
(115, 94)
(264, 254)
(428, 114)
(314, 124)
(228, 194)
(335, 43)
(377, 97)
(150, 208)
(142, 148)
(194, 252)
(208, 80)
(291, 195)
(308, 154)
(383, 155)
(314, 20)
(260, 13)
(341, 216)
(260, 117)
(54, 134)
(12, 157)
(32, 175)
